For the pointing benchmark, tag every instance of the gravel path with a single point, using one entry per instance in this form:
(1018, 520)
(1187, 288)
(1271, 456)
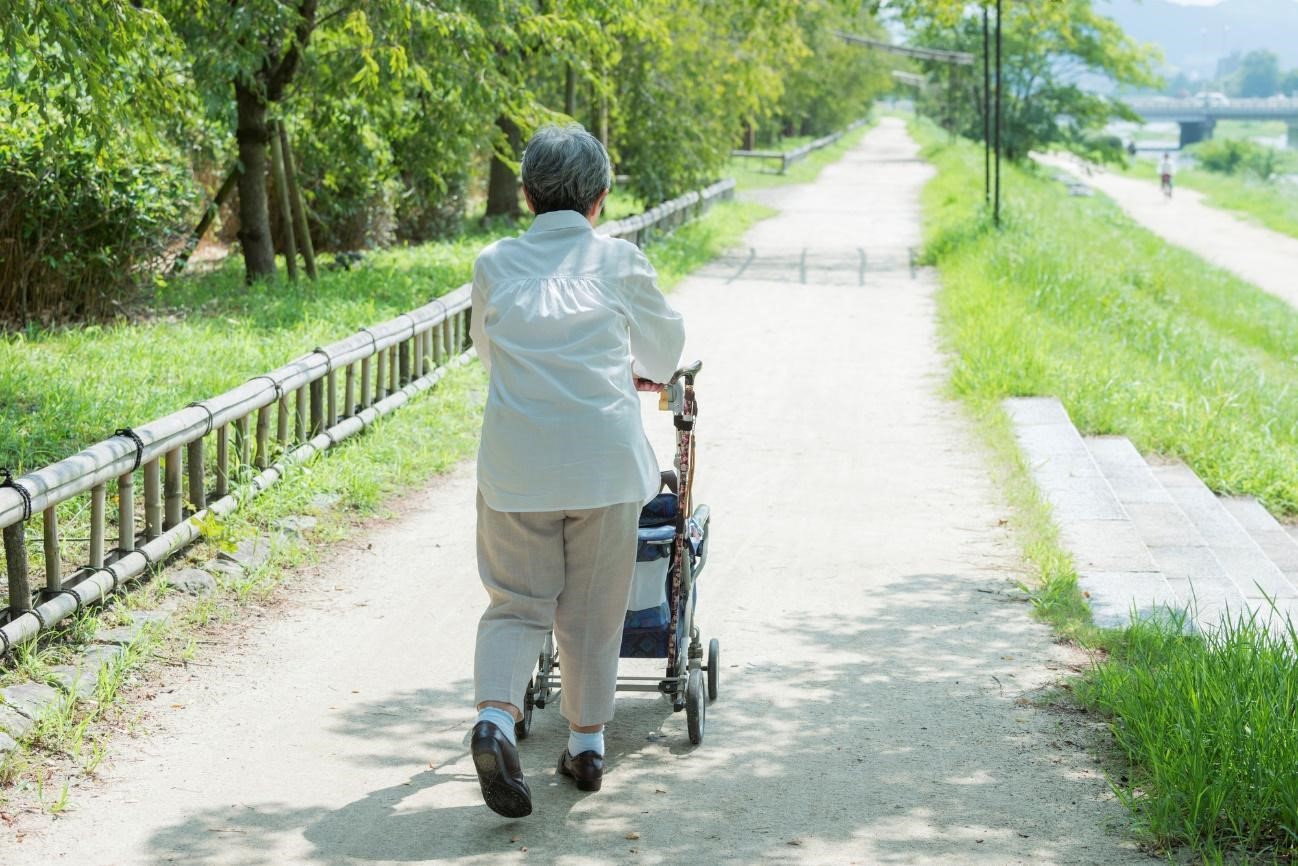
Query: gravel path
(1266, 258)
(879, 683)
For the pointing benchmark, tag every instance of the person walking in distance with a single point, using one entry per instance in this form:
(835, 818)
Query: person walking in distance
(1165, 172)
(570, 325)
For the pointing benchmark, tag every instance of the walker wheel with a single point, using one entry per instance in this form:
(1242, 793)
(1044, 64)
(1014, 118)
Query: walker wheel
(523, 726)
(714, 667)
(696, 708)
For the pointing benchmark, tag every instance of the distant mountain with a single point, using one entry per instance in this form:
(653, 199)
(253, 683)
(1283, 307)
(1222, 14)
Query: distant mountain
(1194, 38)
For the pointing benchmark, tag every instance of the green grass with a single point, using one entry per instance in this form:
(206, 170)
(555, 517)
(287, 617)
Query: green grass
(1206, 726)
(759, 173)
(1138, 338)
(64, 389)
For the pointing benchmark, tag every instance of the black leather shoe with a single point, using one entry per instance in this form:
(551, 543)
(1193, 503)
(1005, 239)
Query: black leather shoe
(499, 773)
(586, 769)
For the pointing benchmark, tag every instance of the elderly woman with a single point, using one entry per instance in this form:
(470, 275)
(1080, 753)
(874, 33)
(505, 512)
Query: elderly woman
(560, 317)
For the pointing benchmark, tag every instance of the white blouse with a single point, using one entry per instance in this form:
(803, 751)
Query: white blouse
(559, 315)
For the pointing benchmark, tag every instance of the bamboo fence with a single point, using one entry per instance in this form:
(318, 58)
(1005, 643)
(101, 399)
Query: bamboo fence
(789, 157)
(209, 458)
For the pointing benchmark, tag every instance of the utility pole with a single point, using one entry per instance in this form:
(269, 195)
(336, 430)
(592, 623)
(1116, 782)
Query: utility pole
(987, 108)
(996, 207)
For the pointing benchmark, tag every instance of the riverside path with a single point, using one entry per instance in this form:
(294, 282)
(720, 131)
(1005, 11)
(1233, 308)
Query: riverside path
(1263, 257)
(880, 673)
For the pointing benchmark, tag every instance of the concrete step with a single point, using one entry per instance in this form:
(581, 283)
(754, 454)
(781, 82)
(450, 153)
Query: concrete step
(1114, 567)
(1246, 563)
(1269, 534)
(1199, 581)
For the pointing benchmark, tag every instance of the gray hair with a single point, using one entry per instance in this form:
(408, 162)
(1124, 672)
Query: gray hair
(565, 168)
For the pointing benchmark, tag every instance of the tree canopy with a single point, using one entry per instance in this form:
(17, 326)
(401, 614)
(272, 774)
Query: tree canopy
(1048, 48)
(394, 109)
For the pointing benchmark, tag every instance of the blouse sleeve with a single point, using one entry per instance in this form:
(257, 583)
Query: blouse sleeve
(657, 331)
(477, 314)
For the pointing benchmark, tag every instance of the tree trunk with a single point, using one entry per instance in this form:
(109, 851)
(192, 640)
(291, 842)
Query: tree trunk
(750, 136)
(254, 213)
(502, 184)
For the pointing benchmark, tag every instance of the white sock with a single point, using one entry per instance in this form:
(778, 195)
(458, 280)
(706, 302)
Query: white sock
(502, 719)
(578, 743)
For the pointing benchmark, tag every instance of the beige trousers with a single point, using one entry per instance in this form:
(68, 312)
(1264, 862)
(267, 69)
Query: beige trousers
(570, 570)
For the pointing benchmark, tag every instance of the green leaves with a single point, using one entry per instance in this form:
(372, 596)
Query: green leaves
(1047, 47)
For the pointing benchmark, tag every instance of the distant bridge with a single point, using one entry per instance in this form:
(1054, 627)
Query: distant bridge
(1197, 117)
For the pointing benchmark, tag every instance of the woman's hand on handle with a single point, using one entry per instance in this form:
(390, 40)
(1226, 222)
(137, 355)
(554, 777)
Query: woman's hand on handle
(647, 385)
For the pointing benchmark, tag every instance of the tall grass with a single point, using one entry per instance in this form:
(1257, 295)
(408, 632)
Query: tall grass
(1209, 728)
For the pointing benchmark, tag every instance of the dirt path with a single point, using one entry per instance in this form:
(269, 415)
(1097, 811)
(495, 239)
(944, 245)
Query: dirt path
(877, 694)
(1266, 258)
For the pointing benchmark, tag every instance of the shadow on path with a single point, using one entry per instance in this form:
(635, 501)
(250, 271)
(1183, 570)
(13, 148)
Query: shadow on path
(845, 731)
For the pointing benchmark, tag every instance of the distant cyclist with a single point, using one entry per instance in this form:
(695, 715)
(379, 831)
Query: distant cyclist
(1165, 171)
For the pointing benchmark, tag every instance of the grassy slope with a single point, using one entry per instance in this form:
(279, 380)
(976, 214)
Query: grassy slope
(1142, 339)
(1135, 336)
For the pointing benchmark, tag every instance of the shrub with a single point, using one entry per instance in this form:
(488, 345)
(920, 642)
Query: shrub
(80, 229)
(1232, 156)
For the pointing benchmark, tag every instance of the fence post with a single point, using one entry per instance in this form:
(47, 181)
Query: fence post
(196, 464)
(317, 408)
(281, 424)
(173, 493)
(331, 396)
(222, 461)
(98, 497)
(365, 382)
(126, 512)
(242, 446)
(20, 593)
(152, 500)
(53, 557)
(300, 404)
(349, 391)
(263, 437)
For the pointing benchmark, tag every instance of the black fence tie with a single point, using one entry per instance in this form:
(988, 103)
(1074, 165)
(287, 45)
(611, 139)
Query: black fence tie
(76, 596)
(40, 618)
(4, 641)
(148, 560)
(111, 574)
(22, 491)
(139, 444)
(211, 419)
(279, 389)
(329, 360)
(374, 343)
